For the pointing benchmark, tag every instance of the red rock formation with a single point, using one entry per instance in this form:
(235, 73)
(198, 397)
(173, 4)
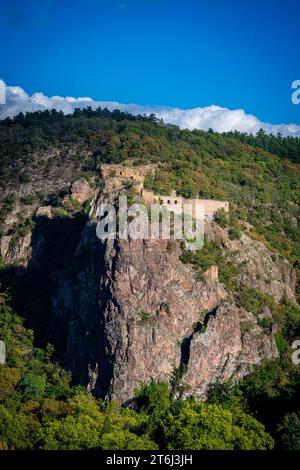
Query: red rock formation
(81, 191)
(134, 314)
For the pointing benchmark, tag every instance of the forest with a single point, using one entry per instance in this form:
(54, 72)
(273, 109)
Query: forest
(40, 405)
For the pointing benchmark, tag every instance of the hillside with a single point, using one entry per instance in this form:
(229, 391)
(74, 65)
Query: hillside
(121, 327)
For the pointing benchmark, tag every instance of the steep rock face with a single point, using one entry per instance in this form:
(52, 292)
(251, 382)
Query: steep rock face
(49, 179)
(230, 345)
(129, 311)
(12, 250)
(15, 244)
(257, 267)
(160, 301)
(132, 312)
(144, 301)
(260, 270)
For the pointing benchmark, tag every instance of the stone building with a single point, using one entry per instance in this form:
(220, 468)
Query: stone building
(172, 202)
(126, 173)
(176, 203)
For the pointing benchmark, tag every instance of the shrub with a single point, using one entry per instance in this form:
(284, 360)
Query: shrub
(280, 341)
(221, 217)
(33, 386)
(28, 200)
(234, 233)
(289, 432)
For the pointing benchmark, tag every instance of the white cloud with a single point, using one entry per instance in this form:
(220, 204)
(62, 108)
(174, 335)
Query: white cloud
(215, 117)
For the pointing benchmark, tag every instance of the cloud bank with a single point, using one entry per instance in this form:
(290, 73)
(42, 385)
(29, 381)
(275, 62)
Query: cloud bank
(215, 117)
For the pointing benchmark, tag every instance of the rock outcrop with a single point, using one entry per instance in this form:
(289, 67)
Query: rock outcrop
(257, 266)
(211, 274)
(14, 249)
(81, 190)
(133, 311)
(230, 345)
(130, 311)
(260, 269)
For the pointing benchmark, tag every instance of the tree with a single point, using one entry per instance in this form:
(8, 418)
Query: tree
(203, 426)
(153, 398)
(221, 217)
(33, 386)
(71, 433)
(125, 440)
(289, 431)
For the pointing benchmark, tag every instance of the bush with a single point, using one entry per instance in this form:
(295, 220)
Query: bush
(204, 426)
(280, 342)
(234, 233)
(221, 218)
(28, 200)
(33, 386)
(71, 433)
(251, 299)
(126, 440)
(289, 432)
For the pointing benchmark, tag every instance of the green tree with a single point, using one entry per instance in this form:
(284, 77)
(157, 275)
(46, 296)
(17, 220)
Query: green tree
(190, 425)
(125, 440)
(289, 431)
(71, 433)
(33, 386)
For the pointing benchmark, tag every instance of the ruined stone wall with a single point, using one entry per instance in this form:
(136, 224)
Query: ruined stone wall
(120, 171)
(148, 196)
(176, 203)
(210, 206)
(173, 202)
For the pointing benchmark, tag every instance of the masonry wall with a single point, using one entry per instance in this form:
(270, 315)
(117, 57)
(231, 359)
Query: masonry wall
(210, 206)
(173, 200)
(174, 203)
(148, 196)
(138, 173)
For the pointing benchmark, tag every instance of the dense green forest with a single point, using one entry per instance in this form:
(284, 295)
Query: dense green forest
(40, 410)
(40, 407)
(284, 147)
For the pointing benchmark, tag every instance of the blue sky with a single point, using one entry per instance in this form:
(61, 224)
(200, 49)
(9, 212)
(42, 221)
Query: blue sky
(178, 53)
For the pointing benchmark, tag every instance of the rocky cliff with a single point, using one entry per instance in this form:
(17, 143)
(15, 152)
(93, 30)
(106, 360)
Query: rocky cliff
(135, 312)
(258, 267)
(125, 312)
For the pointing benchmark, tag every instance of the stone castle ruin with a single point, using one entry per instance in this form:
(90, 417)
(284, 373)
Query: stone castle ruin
(123, 174)
(136, 176)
